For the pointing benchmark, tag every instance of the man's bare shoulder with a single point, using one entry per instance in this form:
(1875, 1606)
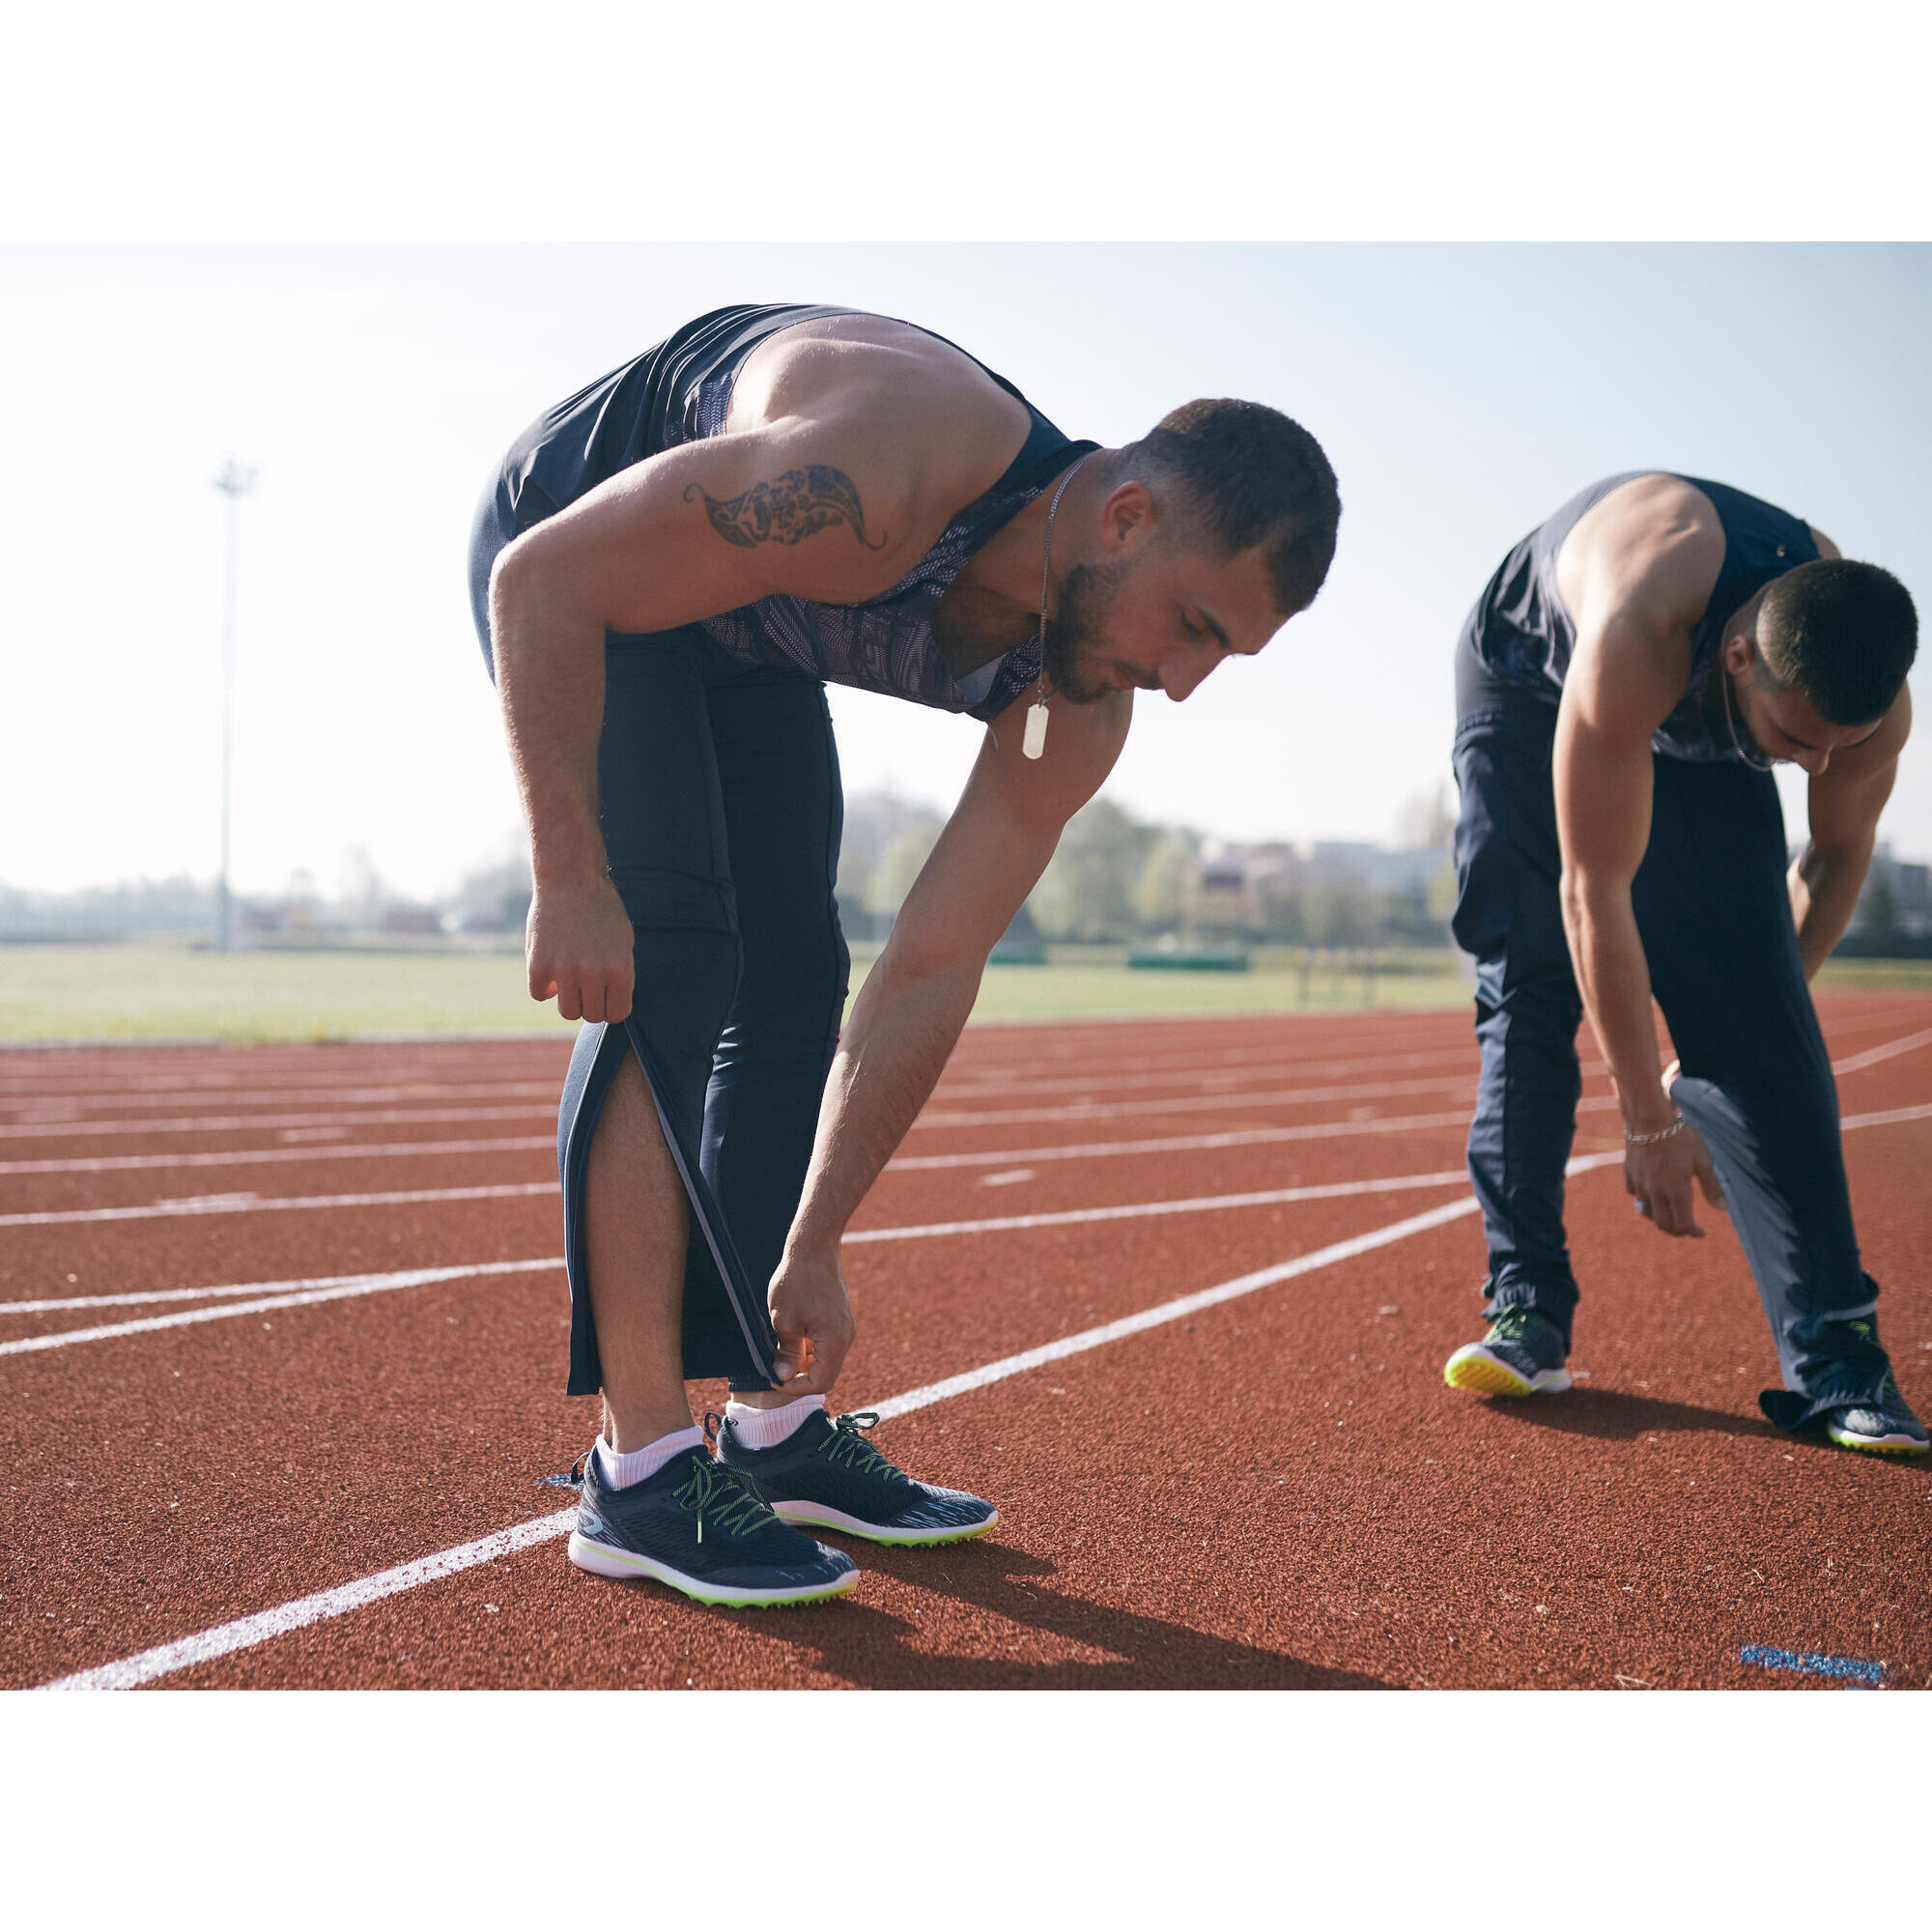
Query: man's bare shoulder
(915, 404)
(1645, 559)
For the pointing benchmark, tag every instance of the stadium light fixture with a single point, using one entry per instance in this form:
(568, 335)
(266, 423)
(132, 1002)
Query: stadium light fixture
(234, 482)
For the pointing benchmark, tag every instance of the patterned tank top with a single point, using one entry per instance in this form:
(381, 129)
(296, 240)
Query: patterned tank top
(680, 392)
(1523, 630)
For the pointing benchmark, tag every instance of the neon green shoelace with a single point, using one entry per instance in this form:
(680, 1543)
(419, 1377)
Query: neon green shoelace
(1510, 1325)
(726, 1496)
(847, 1444)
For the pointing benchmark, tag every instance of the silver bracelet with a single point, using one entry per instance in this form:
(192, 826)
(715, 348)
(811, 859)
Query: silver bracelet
(1676, 1126)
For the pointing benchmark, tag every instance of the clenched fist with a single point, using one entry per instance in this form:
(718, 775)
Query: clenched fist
(577, 946)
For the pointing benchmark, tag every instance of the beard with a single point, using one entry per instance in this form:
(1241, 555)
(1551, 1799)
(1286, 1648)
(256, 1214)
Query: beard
(1075, 639)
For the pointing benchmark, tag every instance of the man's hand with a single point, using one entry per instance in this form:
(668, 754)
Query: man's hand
(1661, 1177)
(579, 945)
(812, 1314)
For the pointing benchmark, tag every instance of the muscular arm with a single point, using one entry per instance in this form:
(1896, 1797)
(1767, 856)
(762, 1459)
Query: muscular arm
(1845, 801)
(1635, 582)
(1619, 688)
(829, 501)
(915, 1000)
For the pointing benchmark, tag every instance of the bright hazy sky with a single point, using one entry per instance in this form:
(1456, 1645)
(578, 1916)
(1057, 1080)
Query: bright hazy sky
(1461, 391)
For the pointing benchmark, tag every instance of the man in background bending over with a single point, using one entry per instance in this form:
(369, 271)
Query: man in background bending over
(1623, 686)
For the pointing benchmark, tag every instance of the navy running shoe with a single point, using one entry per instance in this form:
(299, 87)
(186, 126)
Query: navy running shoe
(1522, 1354)
(826, 1473)
(703, 1529)
(1881, 1427)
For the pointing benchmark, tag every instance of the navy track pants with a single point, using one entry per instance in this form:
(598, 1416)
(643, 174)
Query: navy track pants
(720, 808)
(1714, 912)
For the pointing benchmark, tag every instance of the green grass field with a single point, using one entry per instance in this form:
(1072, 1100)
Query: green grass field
(152, 992)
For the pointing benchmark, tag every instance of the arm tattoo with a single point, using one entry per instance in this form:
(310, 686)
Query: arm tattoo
(787, 510)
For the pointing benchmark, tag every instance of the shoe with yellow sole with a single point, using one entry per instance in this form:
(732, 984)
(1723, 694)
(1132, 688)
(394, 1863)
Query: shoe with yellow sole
(1523, 1353)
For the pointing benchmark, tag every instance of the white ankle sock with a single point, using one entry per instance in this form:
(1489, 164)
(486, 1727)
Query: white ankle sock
(767, 1428)
(633, 1466)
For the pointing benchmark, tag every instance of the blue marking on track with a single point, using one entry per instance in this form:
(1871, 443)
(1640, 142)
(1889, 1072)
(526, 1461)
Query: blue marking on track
(1813, 1662)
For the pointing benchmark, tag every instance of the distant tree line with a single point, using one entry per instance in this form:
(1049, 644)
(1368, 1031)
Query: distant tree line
(1118, 878)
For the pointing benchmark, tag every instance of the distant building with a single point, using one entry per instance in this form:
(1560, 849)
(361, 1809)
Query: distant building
(411, 920)
(1317, 892)
(1896, 897)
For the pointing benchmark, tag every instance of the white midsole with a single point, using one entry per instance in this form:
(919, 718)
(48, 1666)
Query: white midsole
(831, 1519)
(603, 1560)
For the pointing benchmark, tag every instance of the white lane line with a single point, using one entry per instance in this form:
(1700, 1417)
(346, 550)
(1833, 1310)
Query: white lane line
(122, 1163)
(253, 1204)
(1168, 1311)
(1196, 1103)
(960, 1117)
(1009, 1156)
(345, 1287)
(1291, 1097)
(245, 1632)
(390, 1278)
(1187, 1143)
(1204, 1204)
(313, 1093)
(1890, 1050)
(964, 1084)
(235, 1123)
(295, 1294)
(1889, 1118)
(250, 1203)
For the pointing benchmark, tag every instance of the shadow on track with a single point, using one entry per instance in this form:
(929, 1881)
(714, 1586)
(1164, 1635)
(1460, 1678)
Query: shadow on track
(880, 1649)
(1616, 1416)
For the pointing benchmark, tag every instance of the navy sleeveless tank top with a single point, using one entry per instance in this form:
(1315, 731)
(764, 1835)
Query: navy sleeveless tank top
(1523, 634)
(680, 392)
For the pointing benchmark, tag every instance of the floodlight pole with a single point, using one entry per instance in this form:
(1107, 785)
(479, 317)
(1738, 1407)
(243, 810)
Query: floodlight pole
(234, 482)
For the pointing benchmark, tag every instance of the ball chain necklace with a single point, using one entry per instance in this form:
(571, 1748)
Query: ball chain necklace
(1033, 743)
(1755, 759)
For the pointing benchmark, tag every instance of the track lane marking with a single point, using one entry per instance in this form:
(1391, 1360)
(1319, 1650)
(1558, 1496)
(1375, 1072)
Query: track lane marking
(1890, 1050)
(1165, 1312)
(1197, 1103)
(346, 1287)
(965, 1082)
(991, 1225)
(1242, 1137)
(244, 1633)
(960, 1118)
(372, 1283)
(1070, 1217)
(124, 1163)
(1186, 1143)
(321, 1092)
(253, 1204)
(1175, 1144)
(236, 1123)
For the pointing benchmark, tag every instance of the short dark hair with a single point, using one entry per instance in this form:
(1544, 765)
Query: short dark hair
(1843, 633)
(1251, 475)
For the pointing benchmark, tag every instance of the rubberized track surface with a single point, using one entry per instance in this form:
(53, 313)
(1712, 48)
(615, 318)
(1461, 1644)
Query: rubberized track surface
(1270, 1490)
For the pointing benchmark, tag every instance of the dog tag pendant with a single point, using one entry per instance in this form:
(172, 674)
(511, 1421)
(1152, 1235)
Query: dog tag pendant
(1035, 741)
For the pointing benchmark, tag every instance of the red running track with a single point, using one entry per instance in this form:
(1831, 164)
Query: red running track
(333, 1348)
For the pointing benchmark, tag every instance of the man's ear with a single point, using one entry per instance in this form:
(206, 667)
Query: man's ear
(1741, 654)
(1128, 518)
